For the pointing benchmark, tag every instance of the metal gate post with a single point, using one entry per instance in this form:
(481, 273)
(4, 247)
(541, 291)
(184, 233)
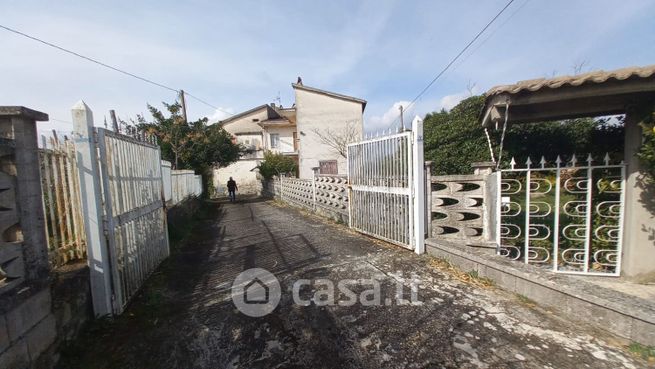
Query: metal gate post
(418, 185)
(89, 173)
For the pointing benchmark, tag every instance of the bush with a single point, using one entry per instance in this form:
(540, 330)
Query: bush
(276, 164)
(454, 139)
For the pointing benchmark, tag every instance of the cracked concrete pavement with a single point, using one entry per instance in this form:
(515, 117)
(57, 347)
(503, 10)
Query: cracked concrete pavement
(451, 324)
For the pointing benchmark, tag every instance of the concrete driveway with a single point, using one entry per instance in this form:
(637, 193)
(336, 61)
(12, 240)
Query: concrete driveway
(185, 317)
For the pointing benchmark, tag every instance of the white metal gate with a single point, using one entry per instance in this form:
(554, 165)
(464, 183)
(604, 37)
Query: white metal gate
(135, 219)
(387, 187)
(125, 222)
(567, 217)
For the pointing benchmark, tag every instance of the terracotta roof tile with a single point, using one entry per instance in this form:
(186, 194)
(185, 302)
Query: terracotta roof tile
(576, 80)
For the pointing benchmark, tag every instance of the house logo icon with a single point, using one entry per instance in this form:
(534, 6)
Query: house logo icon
(256, 292)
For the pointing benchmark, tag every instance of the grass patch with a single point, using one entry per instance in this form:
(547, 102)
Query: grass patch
(645, 352)
(471, 277)
(151, 308)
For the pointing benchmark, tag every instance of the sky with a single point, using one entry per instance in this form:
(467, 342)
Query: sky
(240, 54)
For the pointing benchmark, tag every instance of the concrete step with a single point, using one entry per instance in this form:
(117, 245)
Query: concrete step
(578, 298)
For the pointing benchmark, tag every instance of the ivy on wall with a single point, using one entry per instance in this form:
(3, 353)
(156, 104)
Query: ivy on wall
(647, 150)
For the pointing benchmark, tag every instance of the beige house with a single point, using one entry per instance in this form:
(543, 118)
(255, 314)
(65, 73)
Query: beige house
(302, 132)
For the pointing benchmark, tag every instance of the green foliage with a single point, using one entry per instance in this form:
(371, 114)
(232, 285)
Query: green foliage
(645, 352)
(454, 139)
(647, 150)
(190, 145)
(276, 164)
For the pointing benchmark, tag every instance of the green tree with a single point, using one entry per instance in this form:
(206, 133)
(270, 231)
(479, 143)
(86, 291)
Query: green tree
(275, 164)
(454, 139)
(190, 145)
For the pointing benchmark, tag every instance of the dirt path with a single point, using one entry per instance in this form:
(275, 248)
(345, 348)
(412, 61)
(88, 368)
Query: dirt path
(185, 317)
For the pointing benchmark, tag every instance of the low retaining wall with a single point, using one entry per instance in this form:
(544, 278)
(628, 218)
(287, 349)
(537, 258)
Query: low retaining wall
(42, 318)
(624, 315)
(324, 194)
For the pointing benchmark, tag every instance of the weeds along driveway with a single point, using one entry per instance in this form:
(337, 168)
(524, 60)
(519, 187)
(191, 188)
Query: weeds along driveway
(185, 318)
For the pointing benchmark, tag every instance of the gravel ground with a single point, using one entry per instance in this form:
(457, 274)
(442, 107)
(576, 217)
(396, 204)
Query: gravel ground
(185, 317)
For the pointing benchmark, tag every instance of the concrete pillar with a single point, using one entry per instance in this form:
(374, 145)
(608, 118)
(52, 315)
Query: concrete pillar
(639, 218)
(20, 158)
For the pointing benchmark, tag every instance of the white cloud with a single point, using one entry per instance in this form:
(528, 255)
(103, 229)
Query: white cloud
(422, 107)
(384, 121)
(450, 101)
(220, 114)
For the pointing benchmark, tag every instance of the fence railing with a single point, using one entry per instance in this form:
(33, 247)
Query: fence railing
(325, 194)
(134, 213)
(166, 180)
(184, 184)
(64, 223)
(567, 216)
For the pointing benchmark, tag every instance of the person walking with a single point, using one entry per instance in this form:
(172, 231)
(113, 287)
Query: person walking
(231, 189)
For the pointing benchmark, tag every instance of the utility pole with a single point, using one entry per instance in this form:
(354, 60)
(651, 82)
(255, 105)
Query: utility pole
(183, 102)
(402, 123)
(114, 122)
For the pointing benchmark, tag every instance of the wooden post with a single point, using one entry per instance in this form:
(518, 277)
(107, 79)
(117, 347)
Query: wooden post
(114, 121)
(89, 174)
(418, 185)
(183, 102)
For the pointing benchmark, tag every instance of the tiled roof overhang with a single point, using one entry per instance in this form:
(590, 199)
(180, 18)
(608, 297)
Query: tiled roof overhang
(589, 94)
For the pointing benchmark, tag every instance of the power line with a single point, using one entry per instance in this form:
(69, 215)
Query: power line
(426, 88)
(143, 79)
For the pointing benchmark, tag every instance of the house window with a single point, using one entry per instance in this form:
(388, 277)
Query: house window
(327, 167)
(275, 140)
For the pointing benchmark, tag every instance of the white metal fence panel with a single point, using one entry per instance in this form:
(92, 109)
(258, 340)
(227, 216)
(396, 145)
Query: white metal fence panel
(134, 211)
(64, 223)
(166, 180)
(567, 218)
(184, 184)
(379, 173)
(387, 187)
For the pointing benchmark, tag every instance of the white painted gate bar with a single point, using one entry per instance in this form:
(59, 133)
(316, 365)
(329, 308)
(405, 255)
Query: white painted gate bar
(387, 187)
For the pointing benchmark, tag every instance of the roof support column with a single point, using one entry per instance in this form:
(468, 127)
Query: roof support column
(639, 220)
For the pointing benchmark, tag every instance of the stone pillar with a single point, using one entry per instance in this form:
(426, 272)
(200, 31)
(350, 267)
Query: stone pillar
(490, 203)
(21, 217)
(27, 325)
(639, 218)
(483, 167)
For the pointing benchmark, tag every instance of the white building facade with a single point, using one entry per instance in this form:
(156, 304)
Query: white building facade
(295, 132)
